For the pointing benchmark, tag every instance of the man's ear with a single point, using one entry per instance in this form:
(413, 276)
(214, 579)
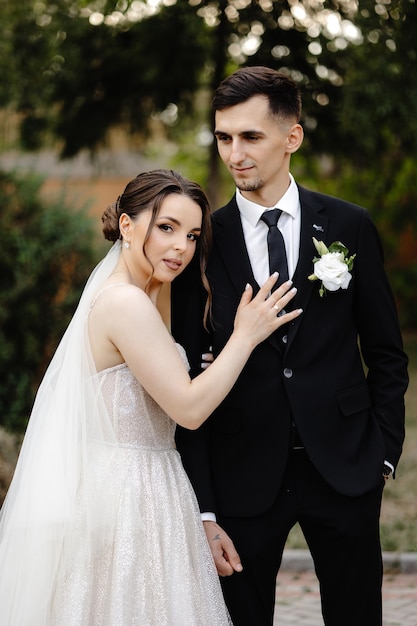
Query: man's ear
(295, 138)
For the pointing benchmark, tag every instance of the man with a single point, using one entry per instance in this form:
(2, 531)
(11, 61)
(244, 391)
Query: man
(307, 434)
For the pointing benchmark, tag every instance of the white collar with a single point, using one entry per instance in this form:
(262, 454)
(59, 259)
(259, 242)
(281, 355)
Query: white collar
(288, 203)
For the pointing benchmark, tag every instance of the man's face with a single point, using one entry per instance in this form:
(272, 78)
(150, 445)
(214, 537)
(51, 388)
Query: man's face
(256, 149)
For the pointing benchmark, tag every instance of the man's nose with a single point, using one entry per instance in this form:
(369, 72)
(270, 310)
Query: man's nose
(237, 154)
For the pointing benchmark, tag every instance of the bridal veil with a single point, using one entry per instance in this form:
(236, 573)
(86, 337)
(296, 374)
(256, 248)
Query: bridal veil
(55, 472)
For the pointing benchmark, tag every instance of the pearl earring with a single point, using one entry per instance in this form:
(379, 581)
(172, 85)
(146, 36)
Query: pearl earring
(127, 244)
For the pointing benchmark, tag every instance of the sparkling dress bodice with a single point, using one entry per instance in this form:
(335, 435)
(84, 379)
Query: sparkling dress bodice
(125, 400)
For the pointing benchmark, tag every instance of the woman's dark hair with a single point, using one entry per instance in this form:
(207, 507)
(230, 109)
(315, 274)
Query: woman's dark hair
(148, 191)
(282, 92)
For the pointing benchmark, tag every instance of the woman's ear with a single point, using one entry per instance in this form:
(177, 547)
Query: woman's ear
(125, 226)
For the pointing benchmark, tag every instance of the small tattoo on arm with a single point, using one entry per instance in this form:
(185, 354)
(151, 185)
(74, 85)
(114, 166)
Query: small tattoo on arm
(216, 537)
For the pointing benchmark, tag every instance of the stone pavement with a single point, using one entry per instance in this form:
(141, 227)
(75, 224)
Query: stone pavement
(298, 598)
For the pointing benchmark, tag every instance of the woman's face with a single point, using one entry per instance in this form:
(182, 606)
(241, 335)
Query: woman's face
(172, 242)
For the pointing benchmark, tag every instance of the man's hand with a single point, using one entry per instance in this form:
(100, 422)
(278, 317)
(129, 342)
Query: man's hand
(224, 553)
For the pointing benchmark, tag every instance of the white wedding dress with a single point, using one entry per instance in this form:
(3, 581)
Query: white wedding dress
(101, 526)
(157, 569)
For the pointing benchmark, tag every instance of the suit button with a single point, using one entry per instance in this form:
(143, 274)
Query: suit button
(284, 338)
(287, 372)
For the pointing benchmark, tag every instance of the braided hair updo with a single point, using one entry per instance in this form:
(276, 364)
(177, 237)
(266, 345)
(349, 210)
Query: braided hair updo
(110, 219)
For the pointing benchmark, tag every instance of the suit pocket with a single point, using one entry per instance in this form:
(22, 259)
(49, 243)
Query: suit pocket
(354, 400)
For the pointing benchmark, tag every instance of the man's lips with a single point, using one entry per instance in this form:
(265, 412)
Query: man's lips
(241, 170)
(173, 264)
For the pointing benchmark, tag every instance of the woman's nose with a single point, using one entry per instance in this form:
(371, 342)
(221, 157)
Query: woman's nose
(180, 244)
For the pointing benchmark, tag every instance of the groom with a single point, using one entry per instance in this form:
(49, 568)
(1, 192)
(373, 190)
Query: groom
(315, 424)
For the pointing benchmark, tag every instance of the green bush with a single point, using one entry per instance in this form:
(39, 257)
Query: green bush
(388, 188)
(46, 254)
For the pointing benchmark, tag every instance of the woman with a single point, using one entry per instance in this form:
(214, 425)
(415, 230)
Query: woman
(100, 525)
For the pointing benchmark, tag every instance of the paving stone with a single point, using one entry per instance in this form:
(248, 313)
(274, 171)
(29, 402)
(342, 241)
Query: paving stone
(298, 599)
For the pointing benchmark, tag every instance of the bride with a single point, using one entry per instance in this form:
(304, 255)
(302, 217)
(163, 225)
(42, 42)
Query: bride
(100, 525)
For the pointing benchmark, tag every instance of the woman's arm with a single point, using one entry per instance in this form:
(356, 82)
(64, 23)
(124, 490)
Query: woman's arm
(134, 327)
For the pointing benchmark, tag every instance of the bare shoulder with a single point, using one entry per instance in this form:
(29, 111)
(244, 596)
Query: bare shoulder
(120, 308)
(118, 297)
(121, 319)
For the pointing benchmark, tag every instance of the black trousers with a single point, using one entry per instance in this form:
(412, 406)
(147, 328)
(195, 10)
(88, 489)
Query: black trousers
(342, 534)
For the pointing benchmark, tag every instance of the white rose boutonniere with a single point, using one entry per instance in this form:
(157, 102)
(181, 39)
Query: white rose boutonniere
(332, 266)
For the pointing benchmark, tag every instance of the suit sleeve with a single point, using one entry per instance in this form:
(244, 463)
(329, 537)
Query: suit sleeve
(380, 339)
(187, 310)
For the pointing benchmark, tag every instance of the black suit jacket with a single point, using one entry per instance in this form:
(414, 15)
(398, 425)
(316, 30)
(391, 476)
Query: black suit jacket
(350, 415)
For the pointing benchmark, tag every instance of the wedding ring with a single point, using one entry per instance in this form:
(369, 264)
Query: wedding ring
(276, 307)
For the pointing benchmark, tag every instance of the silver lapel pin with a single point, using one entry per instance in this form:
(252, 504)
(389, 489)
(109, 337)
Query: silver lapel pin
(319, 228)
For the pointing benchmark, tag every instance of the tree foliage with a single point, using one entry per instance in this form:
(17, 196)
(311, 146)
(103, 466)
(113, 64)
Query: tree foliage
(375, 138)
(46, 254)
(77, 68)
(79, 78)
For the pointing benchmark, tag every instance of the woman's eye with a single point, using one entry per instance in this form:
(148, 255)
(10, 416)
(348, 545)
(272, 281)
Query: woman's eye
(193, 236)
(165, 227)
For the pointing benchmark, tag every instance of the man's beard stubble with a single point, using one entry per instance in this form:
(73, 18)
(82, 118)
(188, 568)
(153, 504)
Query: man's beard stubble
(254, 185)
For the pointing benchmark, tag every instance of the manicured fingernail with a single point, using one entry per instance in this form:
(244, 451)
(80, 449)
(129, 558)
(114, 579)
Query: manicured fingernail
(247, 286)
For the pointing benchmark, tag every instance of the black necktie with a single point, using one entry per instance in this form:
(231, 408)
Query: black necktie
(276, 246)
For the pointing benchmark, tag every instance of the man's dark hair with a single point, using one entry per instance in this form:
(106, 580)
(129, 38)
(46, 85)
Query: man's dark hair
(282, 92)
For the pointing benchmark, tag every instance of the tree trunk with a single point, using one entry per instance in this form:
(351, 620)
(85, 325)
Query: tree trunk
(220, 60)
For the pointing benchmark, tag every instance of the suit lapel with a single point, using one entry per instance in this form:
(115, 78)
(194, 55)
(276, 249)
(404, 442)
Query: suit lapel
(230, 243)
(313, 224)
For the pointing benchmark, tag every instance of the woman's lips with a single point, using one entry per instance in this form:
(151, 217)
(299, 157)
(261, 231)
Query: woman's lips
(173, 264)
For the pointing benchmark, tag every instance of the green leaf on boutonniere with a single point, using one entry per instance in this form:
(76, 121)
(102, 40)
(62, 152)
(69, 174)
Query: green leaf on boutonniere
(338, 246)
(320, 247)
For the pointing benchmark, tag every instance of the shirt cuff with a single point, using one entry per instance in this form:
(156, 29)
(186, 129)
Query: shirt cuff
(390, 465)
(208, 517)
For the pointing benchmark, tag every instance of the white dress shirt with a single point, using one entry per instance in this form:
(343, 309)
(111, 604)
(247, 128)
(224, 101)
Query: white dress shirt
(255, 230)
